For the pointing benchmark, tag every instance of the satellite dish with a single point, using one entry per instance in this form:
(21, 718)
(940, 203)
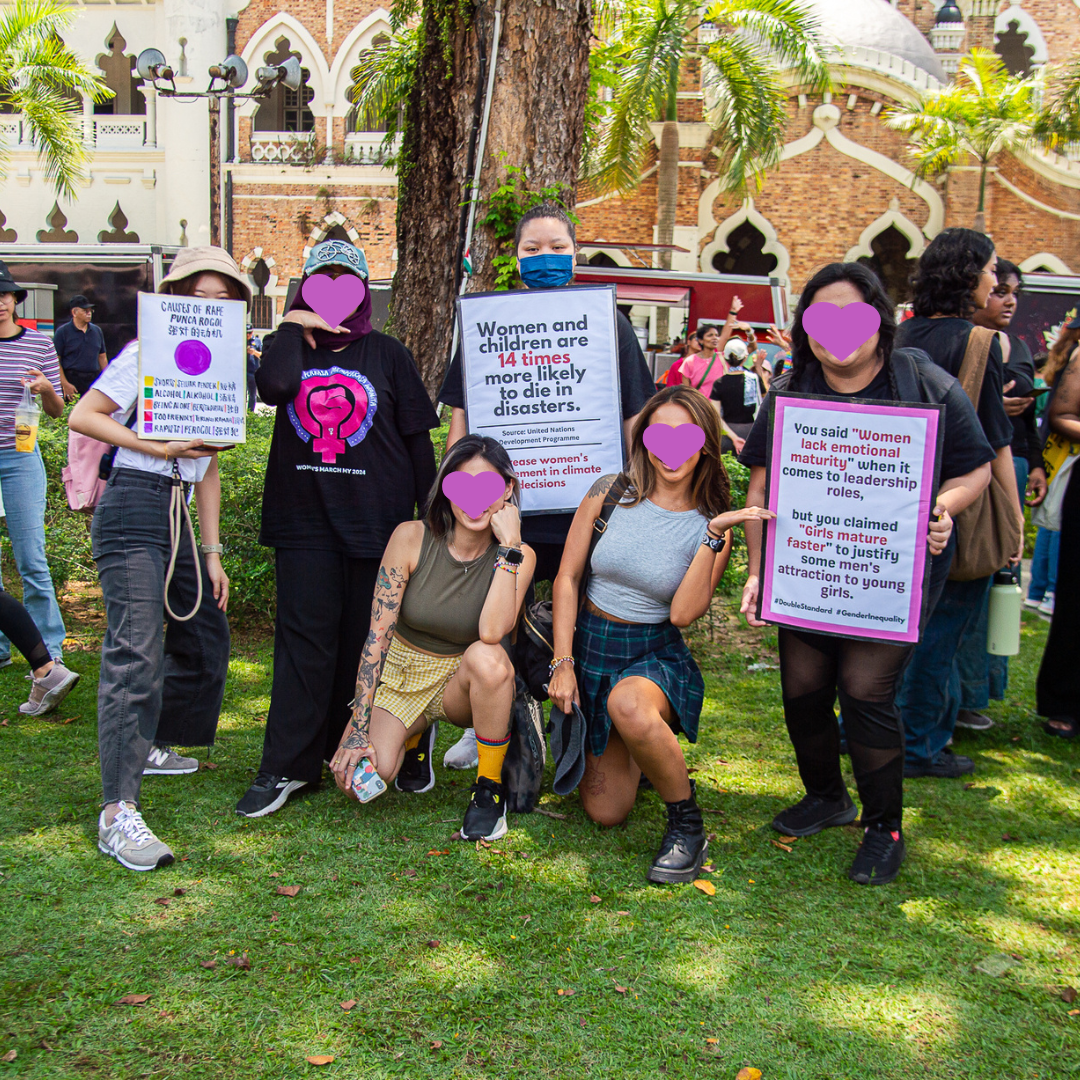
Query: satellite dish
(236, 71)
(291, 76)
(149, 62)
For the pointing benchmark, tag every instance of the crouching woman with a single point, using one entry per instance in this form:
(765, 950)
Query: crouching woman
(449, 589)
(655, 569)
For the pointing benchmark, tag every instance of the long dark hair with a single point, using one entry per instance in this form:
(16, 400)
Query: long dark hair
(440, 514)
(948, 273)
(873, 292)
(709, 486)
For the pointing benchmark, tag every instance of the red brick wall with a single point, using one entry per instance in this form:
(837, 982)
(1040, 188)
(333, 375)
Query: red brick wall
(312, 14)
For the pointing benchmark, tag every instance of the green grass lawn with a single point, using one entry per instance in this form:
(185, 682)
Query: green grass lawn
(546, 954)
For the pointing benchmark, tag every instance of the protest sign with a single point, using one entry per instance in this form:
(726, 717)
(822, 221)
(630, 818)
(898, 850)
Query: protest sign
(192, 369)
(541, 373)
(852, 485)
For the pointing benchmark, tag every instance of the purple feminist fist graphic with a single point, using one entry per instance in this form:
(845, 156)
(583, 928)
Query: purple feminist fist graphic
(473, 494)
(673, 445)
(192, 357)
(841, 330)
(337, 407)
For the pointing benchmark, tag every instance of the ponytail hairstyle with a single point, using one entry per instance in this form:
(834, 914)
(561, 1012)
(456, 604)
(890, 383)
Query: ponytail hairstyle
(803, 360)
(948, 273)
(440, 514)
(709, 488)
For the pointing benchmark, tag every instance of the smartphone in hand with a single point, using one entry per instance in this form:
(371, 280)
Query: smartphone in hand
(366, 782)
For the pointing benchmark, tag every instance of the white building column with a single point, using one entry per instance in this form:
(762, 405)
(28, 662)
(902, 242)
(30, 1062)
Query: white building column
(329, 112)
(87, 120)
(150, 93)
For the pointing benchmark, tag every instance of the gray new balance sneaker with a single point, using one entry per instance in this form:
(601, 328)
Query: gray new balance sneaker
(130, 842)
(463, 754)
(165, 761)
(48, 691)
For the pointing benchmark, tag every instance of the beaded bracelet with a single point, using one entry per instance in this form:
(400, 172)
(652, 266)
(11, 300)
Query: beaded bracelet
(557, 661)
(502, 564)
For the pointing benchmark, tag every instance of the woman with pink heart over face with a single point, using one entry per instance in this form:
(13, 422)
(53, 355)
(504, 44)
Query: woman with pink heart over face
(620, 660)
(351, 459)
(449, 590)
(816, 669)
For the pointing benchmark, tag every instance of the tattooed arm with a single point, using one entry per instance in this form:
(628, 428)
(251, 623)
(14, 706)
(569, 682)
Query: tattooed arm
(398, 563)
(1065, 410)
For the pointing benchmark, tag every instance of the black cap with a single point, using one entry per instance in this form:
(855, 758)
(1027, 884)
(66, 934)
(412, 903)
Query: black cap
(9, 284)
(81, 301)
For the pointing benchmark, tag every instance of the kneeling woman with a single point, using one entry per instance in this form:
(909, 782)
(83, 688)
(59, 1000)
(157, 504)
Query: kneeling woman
(655, 569)
(816, 669)
(449, 590)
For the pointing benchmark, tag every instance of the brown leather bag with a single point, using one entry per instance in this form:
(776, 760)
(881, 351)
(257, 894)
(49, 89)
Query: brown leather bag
(988, 531)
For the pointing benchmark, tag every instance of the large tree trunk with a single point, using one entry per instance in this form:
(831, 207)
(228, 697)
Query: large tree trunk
(667, 198)
(537, 116)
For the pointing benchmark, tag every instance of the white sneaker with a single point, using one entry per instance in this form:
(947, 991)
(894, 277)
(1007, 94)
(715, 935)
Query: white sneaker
(165, 761)
(463, 754)
(48, 691)
(1031, 602)
(130, 842)
(1047, 605)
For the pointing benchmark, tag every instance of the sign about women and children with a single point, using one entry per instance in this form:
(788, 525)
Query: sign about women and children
(192, 369)
(541, 371)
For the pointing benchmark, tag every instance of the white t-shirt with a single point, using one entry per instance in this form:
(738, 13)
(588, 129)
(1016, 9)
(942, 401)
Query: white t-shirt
(120, 383)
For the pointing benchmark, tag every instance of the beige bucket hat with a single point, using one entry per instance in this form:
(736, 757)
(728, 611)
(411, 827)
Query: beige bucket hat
(200, 260)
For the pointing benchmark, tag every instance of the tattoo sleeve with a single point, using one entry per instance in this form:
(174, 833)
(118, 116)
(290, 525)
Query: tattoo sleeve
(385, 606)
(602, 486)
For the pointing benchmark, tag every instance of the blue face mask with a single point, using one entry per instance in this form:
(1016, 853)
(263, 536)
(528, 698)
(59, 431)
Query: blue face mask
(546, 271)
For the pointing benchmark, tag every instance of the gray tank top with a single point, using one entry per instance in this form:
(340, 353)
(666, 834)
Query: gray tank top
(641, 559)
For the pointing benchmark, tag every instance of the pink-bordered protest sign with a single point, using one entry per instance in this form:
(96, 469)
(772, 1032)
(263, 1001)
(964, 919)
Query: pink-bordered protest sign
(852, 484)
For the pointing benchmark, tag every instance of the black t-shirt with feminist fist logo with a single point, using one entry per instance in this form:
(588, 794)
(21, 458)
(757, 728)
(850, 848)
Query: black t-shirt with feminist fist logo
(340, 476)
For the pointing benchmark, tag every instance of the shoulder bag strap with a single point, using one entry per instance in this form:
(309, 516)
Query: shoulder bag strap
(611, 500)
(706, 375)
(973, 369)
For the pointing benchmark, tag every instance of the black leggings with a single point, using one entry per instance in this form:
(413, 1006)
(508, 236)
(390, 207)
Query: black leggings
(815, 669)
(16, 623)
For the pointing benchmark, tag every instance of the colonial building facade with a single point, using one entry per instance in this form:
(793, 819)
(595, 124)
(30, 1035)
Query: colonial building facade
(303, 165)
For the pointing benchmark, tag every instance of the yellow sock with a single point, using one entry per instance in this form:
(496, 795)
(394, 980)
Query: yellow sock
(491, 758)
(414, 742)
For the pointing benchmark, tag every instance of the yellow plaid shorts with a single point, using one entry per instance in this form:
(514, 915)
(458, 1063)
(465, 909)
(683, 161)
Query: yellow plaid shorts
(413, 682)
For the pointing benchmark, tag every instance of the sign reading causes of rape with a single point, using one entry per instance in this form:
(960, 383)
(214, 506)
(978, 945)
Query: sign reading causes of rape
(851, 484)
(541, 372)
(192, 369)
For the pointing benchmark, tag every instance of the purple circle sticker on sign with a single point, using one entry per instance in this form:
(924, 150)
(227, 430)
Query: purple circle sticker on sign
(192, 357)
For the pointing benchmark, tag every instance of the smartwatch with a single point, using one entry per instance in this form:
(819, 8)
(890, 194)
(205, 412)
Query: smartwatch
(513, 556)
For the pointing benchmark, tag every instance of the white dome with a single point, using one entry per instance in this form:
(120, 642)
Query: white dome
(876, 24)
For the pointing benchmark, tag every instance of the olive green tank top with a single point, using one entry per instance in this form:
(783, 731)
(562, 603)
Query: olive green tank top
(440, 611)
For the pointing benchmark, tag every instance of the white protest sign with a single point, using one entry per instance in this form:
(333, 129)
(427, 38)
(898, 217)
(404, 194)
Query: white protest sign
(192, 369)
(541, 373)
(851, 484)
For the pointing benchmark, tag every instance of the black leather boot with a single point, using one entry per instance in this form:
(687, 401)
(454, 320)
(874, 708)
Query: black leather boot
(682, 851)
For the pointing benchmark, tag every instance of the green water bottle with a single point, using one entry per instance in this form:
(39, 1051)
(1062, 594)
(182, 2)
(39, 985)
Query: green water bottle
(1003, 629)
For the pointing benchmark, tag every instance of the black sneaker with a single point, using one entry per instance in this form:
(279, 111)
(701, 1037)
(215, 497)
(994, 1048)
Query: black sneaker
(486, 817)
(944, 765)
(417, 772)
(267, 794)
(973, 721)
(812, 813)
(879, 857)
(682, 851)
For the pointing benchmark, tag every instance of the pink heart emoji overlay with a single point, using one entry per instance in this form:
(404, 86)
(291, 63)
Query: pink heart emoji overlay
(333, 299)
(673, 445)
(841, 330)
(473, 494)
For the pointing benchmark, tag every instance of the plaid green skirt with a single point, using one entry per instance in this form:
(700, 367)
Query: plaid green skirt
(606, 652)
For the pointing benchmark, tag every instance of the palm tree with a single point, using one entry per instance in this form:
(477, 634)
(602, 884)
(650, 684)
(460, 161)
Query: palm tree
(1058, 121)
(381, 81)
(648, 43)
(985, 112)
(41, 78)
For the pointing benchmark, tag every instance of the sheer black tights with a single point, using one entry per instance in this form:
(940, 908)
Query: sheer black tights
(815, 670)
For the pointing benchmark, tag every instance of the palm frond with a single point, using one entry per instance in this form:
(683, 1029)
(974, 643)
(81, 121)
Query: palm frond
(384, 76)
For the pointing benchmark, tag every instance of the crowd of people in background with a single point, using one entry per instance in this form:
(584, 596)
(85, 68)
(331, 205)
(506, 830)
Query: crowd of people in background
(395, 605)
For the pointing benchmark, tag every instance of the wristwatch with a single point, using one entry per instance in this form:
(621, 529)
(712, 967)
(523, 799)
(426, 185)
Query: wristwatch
(716, 543)
(211, 549)
(513, 556)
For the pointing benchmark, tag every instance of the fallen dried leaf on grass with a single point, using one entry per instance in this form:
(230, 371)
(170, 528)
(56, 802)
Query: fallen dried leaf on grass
(208, 964)
(565, 993)
(276, 873)
(622, 912)
(208, 765)
(594, 899)
(134, 999)
(1074, 1012)
(320, 1059)
(11, 1055)
(707, 887)
(288, 890)
(164, 901)
(748, 1074)
(620, 989)
(434, 852)
(409, 873)
(789, 839)
(712, 1042)
(350, 1004)
(436, 1045)
(1068, 994)
(434, 943)
(785, 847)
(242, 962)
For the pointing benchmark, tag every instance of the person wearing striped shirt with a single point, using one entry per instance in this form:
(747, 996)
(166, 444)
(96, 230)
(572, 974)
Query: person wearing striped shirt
(27, 358)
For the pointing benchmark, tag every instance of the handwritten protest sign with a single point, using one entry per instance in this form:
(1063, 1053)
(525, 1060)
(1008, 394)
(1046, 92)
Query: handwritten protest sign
(852, 485)
(192, 369)
(541, 371)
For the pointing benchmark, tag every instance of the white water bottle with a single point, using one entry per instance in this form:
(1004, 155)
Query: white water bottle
(1003, 623)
